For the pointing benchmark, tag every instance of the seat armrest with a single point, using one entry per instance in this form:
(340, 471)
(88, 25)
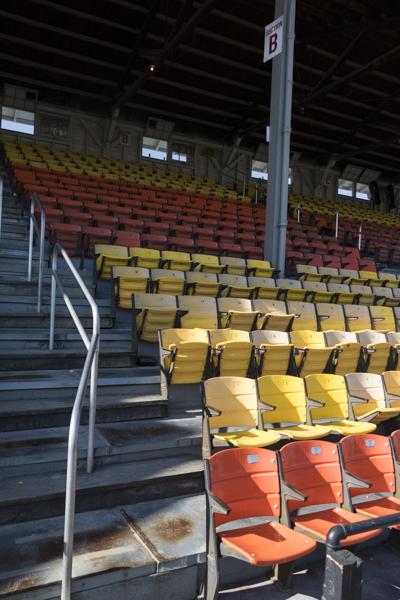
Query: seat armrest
(352, 480)
(288, 491)
(217, 505)
(211, 411)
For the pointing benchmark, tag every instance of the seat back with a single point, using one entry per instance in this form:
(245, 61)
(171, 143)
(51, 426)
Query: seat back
(391, 382)
(357, 317)
(331, 391)
(157, 311)
(307, 339)
(234, 266)
(221, 336)
(235, 398)
(145, 257)
(368, 387)
(247, 481)
(180, 261)
(330, 316)
(286, 394)
(201, 312)
(383, 318)
(305, 315)
(263, 337)
(370, 458)
(340, 337)
(371, 337)
(174, 337)
(313, 468)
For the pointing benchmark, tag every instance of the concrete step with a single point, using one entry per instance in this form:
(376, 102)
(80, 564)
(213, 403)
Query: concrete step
(21, 315)
(21, 287)
(154, 548)
(37, 496)
(45, 450)
(30, 400)
(28, 349)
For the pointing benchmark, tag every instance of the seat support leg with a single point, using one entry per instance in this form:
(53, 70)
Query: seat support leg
(283, 575)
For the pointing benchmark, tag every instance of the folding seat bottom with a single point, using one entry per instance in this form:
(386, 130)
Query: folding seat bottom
(319, 523)
(304, 432)
(346, 427)
(383, 507)
(266, 544)
(249, 438)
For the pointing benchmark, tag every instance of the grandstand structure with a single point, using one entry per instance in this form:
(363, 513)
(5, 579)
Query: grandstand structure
(199, 300)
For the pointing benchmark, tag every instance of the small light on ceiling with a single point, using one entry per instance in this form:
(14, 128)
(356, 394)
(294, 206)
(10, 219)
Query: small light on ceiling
(152, 68)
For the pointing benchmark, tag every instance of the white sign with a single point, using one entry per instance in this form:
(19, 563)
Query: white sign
(273, 39)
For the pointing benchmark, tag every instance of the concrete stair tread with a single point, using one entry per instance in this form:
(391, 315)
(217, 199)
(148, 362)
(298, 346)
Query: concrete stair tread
(114, 334)
(149, 543)
(47, 487)
(30, 300)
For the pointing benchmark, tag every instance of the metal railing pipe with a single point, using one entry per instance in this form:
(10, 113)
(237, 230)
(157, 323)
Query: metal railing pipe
(40, 232)
(70, 488)
(341, 532)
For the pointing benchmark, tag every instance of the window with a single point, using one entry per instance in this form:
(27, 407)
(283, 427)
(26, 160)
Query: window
(290, 177)
(14, 119)
(362, 191)
(259, 169)
(345, 188)
(181, 156)
(154, 148)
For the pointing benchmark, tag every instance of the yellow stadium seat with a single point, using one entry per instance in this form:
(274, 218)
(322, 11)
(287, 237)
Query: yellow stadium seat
(305, 315)
(207, 263)
(154, 312)
(264, 287)
(383, 318)
(379, 352)
(233, 266)
(128, 281)
(184, 354)
(177, 261)
(274, 353)
(343, 293)
(145, 257)
(201, 311)
(357, 317)
(330, 317)
(308, 273)
(391, 382)
(235, 286)
(328, 401)
(237, 313)
(108, 256)
(202, 284)
(232, 352)
(389, 278)
(364, 293)
(312, 355)
(285, 395)
(349, 351)
(367, 398)
(331, 275)
(231, 402)
(274, 315)
(384, 296)
(260, 268)
(292, 290)
(167, 281)
(318, 292)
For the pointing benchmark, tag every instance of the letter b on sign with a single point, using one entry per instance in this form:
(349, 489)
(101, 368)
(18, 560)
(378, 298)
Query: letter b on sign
(273, 43)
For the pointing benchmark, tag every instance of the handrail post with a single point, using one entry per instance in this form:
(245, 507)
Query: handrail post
(41, 260)
(54, 260)
(337, 225)
(1, 203)
(30, 247)
(93, 395)
(359, 236)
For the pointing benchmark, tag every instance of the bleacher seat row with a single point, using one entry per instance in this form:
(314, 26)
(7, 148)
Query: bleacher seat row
(301, 492)
(191, 355)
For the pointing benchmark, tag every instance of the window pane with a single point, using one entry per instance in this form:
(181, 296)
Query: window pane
(345, 187)
(14, 119)
(181, 156)
(362, 191)
(259, 169)
(154, 148)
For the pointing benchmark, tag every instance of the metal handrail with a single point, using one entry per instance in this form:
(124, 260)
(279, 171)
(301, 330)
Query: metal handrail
(91, 364)
(34, 228)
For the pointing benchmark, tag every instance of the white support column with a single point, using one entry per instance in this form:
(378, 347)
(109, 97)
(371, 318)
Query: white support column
(279, 146)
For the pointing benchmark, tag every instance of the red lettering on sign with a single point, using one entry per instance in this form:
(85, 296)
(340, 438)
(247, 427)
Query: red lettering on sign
(273, 43)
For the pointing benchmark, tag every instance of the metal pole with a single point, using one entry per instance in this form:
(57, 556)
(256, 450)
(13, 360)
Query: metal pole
(30, 247)
(244, 187)
(337, 225)
(298, 212)
(1, 203)
(256, 198)
(359, 236)
(54, 260)
(41, 260)
(280, 131)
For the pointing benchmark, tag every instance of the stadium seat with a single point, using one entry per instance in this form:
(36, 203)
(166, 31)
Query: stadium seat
(312, 355)
(328, 401)
(379, 354)
(233, 265)
(199, 283)
(145, 257)
(357, 317)
(274, 353)
(237, 313)
(319, 292)
(184, 355)
(235, 286)
(384, 318)
(128, 281)
(283, 400)
(167, 281)
(330, 317)
(349, 351)
(243, 484)
(154, 312)
(108, 256)
(232, 352)
(313, 468)
(369, 459)
(198, 311)
(231, 402)
(177, 261)
(273, 315)
(343, 293)
(305, 315)
(264, 288)
(367, 398)
(207, 263)
(292, 290)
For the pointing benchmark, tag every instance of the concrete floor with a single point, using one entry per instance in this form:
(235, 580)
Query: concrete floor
(381, 581)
